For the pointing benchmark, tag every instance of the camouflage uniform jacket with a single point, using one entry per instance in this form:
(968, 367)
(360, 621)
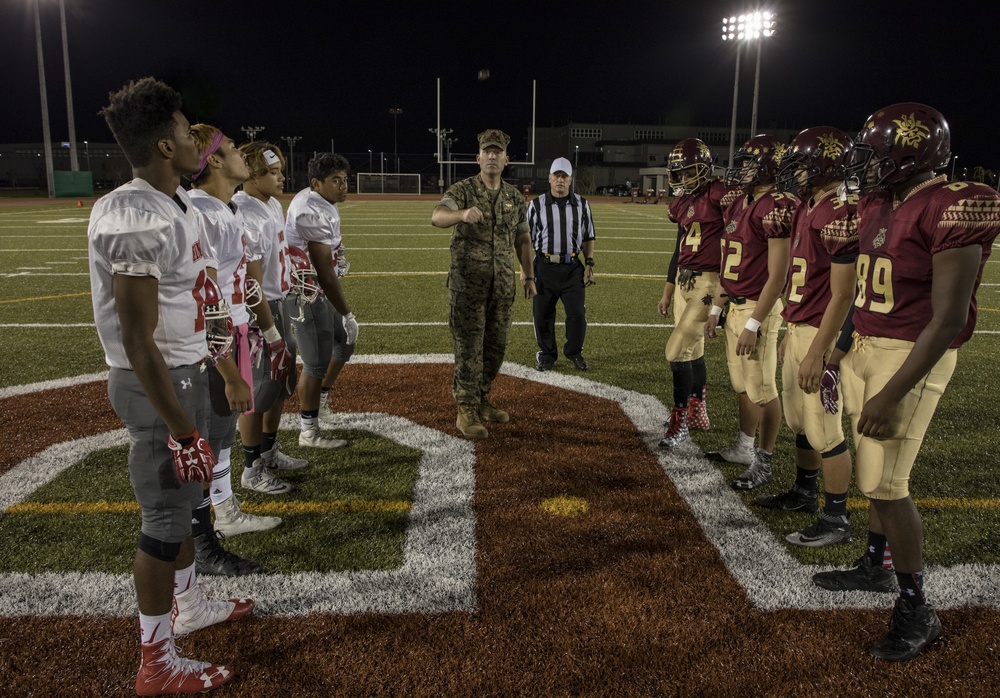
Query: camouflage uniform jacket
(483, 254)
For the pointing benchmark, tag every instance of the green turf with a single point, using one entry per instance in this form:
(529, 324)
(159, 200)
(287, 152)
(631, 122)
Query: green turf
(369, 469)
(397, 279)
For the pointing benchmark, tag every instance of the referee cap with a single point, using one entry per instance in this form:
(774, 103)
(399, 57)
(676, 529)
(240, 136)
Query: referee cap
(561, 165)
(494, 137)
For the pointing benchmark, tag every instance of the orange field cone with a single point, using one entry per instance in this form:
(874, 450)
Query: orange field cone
(79, 203)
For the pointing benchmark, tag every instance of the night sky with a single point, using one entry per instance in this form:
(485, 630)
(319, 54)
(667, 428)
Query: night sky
(332, 70)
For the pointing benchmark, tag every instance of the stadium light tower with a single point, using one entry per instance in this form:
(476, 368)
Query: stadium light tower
(291, 141)
(74, 161)
(395, 111)
(251, 131)
(46, 136)
(752, 26)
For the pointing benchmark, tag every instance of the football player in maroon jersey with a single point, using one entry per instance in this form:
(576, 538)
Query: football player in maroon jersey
(692, 281)
(923, 244)
(819, 292)
(754, 264)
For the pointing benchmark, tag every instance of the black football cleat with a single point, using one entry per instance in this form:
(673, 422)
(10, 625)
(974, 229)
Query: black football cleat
(911, 629)
(211, 558)
(864, 576)
(794, 499)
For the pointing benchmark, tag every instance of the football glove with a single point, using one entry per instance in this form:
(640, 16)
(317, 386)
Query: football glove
(281, 360)
(351, 328)
(829, 395)
(193, 458)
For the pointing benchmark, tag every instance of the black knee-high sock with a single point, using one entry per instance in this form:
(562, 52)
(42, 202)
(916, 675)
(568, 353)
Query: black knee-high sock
(201, 518)
(699, 377)
(267, 441)
(682, 382)
(251, 454)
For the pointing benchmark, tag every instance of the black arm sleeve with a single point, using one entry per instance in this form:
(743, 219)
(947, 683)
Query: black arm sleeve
(847, 332)
(672, 269)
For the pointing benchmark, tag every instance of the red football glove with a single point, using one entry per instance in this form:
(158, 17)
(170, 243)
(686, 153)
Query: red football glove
(193, 458)
(281, 360)
(828, 393)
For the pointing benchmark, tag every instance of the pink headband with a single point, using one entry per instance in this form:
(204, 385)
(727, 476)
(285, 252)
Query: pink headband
(217, 139)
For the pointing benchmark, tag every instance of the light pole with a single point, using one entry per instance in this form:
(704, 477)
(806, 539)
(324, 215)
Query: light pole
(291, 141)
(369, 159)
(576, 161)
(448, 142)
(251, 131)
(87, 146)
(753, 26)
(441, 134)
(395, 111)
(954, 159)
(74, 162)
(46, 137)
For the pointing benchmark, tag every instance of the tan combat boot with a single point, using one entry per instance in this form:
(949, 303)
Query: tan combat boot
(468, 422)
(489, 413)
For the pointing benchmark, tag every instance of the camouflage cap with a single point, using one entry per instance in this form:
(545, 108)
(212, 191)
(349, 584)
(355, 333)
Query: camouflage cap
(494, 137)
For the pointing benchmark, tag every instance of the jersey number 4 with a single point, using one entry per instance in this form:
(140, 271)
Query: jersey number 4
(692, 236)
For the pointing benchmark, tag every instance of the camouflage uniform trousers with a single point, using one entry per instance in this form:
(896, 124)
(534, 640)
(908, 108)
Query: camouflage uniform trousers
(479, 331)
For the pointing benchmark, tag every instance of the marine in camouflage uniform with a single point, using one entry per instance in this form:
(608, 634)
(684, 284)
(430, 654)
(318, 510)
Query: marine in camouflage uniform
(490, 228)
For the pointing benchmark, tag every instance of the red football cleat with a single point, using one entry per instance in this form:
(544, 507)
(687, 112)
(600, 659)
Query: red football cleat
(163, 672)
(698, 415)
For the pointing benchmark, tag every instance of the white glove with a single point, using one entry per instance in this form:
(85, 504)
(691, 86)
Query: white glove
(351, 328)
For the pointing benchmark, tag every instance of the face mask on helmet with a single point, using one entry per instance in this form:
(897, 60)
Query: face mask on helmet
(689, 166)
(756, 163)
(218, 325)
(254, 295)
(304, 283)
(897, 144)
(814, 159)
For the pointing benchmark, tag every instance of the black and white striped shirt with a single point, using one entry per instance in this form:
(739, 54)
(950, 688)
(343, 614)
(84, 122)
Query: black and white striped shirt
(560, 226)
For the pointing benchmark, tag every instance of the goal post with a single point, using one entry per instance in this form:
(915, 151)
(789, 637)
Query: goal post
(388, 183)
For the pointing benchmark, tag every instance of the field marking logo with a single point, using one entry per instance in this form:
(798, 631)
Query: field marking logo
(438, 573)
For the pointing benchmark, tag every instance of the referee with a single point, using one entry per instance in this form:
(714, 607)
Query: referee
(561, 226)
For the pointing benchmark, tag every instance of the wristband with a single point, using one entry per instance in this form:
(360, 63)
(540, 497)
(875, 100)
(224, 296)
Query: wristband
(752, 325)
(590, 261)
(529, 278)
(271, 335)
(716, 310)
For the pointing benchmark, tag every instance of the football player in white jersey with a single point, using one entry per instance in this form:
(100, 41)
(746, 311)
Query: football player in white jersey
(147, 273)
(327, 329)
(222, 169)
(268, 263)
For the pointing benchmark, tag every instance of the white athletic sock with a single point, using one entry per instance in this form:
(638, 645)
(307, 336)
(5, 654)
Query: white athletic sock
(154, 628)
(744, 440)
(307, 423)
(183, 579)
(222, 482)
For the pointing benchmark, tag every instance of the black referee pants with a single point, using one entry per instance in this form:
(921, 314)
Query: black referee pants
(554, 282)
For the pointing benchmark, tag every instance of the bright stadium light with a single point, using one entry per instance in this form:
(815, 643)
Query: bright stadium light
(754, 26)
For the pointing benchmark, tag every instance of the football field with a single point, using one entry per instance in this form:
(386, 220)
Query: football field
(563, 555)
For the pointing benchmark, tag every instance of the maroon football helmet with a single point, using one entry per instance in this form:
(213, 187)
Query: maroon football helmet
(821, 153)
(756, 162)
(218, 325)
(689, 166)
(898, 143)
